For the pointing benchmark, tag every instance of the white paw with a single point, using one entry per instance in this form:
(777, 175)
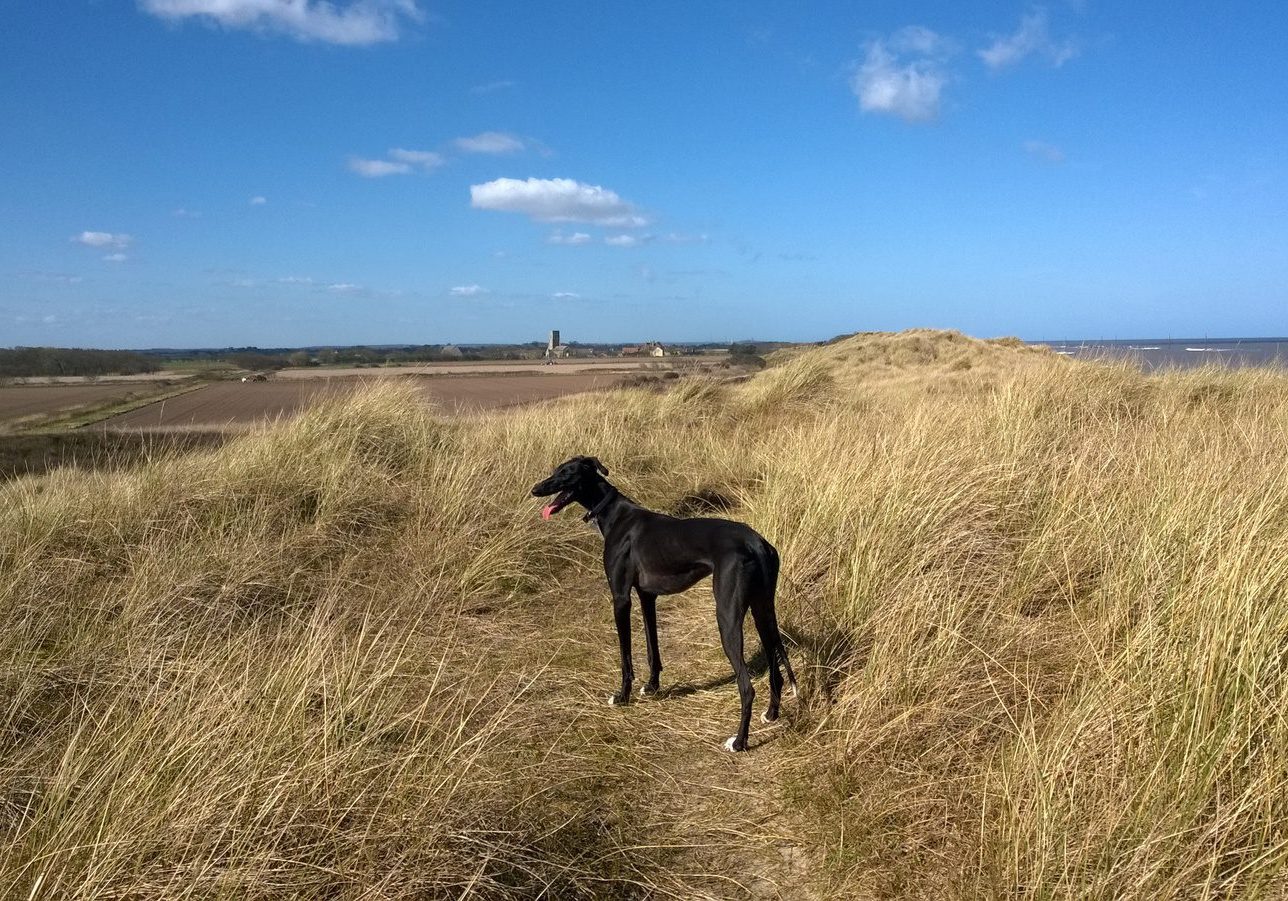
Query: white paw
(729, 745)
(612, 700)
(764, 718)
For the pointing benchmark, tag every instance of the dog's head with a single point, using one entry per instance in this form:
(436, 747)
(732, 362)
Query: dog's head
(570, 482)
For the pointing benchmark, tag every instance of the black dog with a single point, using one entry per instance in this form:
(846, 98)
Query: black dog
(658, 554)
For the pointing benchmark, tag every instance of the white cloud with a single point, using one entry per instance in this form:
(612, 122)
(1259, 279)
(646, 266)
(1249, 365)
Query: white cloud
(1033, 36)
(904, 75)
(575, 239)
(377, 168)
(621, 241)
(566, 295)
(103, 239)
(355, 23)
(115, 258)
(494, 142)
(258, 200)
(556, 200)
(295, 280)
(424, 159)
(468, 291)
(182, 213)
(1044, 151)
(344, 287)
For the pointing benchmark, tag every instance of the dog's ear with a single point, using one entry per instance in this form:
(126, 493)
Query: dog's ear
(600, 466)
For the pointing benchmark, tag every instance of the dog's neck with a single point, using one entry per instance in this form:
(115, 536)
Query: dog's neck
(599, 505)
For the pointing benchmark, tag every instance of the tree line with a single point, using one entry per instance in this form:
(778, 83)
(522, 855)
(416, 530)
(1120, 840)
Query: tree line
(63, 361)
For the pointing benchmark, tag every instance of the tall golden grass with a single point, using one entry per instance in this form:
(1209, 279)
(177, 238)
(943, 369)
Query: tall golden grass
(1040, 609)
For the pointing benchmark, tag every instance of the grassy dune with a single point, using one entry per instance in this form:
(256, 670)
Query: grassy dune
(1040, 609)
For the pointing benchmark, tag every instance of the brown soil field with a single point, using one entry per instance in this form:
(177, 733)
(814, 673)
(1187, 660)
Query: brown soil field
(235, 403)
(164, 375)
(17, 401)
(572, 365)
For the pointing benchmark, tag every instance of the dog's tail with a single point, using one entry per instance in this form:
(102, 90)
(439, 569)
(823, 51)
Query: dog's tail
(787, 664)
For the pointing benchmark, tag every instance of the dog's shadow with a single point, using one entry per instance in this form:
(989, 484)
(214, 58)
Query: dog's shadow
(757, 665)
(823, 657)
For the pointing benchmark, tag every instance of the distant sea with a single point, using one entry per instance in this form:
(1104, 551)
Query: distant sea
(1152, 353)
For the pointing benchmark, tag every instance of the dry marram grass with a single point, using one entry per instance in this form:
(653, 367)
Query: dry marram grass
(1040, 608)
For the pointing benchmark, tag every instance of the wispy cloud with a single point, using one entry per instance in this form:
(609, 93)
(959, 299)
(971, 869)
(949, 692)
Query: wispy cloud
(468, 291)
(58, 277)
(676, 238)
(421, 159)
(400, 162)
(1032, 37)
(566, 295)
(115, 258)
(183, 213)
(557, 200)
(258, 200)
(493, 142)
(344, 288)
(295, 280)
(377, 168)
(1048, 153)
(103, 239)
(492, 86)
(623, 241)
(575, 239)
(903, 75)
(354, 23)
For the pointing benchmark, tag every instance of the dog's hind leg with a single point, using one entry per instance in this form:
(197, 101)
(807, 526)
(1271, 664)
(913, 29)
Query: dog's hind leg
(767, 627)
(731, 610)
(648, 607)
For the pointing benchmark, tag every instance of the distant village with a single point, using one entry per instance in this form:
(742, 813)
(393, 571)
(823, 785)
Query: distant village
(552, 350)
(556, 349)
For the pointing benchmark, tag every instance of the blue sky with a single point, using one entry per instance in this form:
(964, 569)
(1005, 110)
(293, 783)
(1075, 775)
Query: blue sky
(286, 172)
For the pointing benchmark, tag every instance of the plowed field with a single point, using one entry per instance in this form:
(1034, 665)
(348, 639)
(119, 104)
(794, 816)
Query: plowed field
(232, 403)
(29, 400)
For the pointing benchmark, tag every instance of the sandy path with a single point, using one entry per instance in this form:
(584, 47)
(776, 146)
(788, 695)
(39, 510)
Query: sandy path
(728, 809)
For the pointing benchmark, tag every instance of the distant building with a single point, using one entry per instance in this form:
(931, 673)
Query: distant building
(651, 349)
(451, 350)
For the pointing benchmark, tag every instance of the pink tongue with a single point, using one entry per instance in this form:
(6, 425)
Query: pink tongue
(547, 510)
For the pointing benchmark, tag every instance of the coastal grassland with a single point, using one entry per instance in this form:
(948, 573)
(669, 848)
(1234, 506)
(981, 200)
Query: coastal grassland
(1039, 608)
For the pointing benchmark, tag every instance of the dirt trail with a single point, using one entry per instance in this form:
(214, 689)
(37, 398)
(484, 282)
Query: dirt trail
(728, 810)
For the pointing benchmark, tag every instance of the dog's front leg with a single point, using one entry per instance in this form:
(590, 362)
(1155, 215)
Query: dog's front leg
(622, 617)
